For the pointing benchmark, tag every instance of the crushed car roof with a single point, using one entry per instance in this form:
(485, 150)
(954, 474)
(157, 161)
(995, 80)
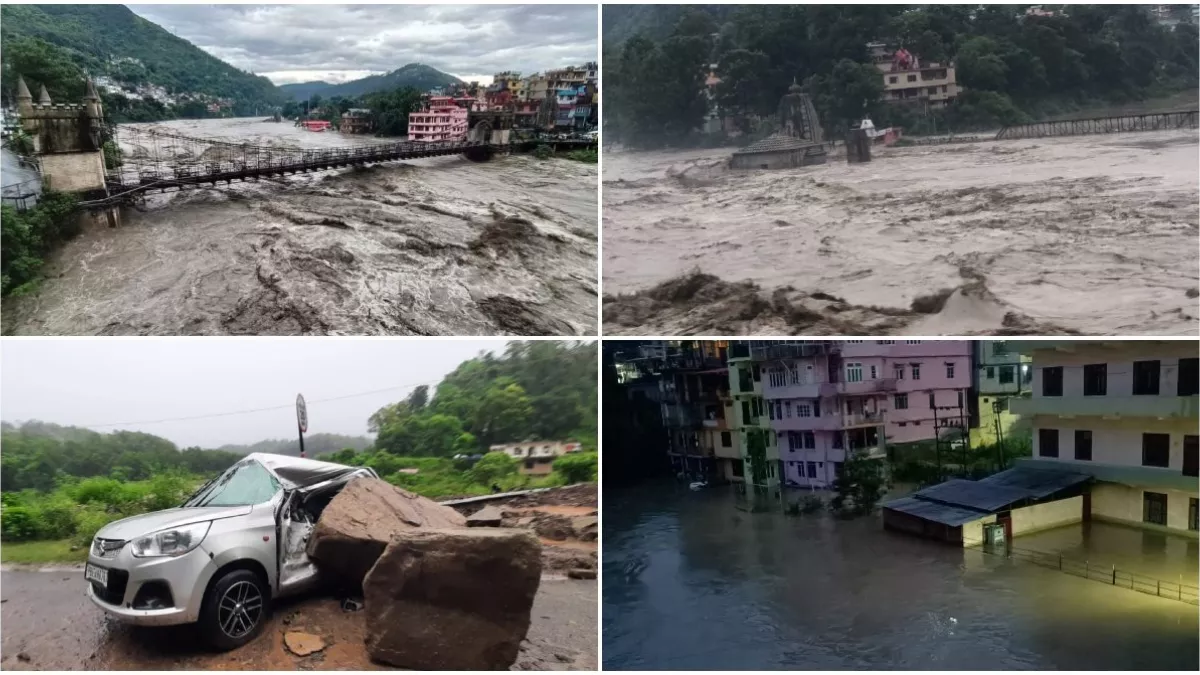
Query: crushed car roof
(296, 472)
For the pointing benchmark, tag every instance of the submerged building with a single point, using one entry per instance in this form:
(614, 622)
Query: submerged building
(799, 141)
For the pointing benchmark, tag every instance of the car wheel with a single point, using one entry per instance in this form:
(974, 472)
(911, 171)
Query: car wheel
(235, 610)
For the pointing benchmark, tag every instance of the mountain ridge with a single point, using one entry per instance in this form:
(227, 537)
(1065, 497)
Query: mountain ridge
(416, 75)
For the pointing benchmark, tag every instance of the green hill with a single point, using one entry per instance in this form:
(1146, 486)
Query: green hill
(416, 75)
(113, 41)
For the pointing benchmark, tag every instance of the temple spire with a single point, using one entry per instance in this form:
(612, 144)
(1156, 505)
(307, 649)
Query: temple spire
(43, 96)
(23, 90)
(91, 91)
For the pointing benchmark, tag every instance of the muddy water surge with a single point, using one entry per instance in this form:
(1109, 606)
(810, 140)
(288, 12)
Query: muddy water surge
(1093, 235)
(435, 246)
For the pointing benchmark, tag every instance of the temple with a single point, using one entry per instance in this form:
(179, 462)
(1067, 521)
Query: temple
(798, 142)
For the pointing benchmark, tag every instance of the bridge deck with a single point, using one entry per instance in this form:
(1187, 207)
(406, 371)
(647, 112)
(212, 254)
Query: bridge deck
(1102, 125)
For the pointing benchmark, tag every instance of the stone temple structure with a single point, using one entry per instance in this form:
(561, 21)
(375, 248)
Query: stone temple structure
(798, 142)
(66, 138)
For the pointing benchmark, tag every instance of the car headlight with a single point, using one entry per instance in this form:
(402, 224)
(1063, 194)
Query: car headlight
(172, 542)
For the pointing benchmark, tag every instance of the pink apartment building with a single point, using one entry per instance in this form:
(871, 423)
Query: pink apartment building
(824, 397)
(443, 121)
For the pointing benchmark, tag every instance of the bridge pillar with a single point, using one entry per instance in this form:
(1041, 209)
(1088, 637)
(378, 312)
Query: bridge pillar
(101, 216)
(66, 138)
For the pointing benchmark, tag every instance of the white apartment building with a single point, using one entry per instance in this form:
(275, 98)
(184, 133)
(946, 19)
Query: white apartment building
(536, 457)
(1126, 413)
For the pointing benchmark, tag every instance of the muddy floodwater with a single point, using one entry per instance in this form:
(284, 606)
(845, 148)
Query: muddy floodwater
(690, 582)
(438, 246)
(1089, 234)
(50, 625)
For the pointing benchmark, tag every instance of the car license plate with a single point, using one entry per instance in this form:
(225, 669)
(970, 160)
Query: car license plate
(97, 574)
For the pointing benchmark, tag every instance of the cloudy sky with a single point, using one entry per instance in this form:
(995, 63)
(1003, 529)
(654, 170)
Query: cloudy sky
(336, 43)
(109, 384)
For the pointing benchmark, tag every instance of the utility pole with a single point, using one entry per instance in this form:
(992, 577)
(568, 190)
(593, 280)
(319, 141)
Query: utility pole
(937, 444)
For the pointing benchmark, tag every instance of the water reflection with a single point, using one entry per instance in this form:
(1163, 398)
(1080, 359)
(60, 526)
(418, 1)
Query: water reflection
(692, 583)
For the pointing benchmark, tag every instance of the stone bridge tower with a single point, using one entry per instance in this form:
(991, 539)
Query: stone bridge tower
(66, 138)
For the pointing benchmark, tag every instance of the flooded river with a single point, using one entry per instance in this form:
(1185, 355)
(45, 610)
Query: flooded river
(1092, 234)
(690, 582)
(438, 246)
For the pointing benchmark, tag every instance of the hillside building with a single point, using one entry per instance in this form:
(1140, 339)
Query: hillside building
(442, 120)
(908, 79)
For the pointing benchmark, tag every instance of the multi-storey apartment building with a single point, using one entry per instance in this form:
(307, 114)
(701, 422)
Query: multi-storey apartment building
(536, 457)
(1001, 373)
(443, 120)
(909, 79)
(826, 397)
(757, 443)
(1125, 413)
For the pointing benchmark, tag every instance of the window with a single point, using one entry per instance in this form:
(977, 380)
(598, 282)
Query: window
(726, 439)
(855, 342)
(745, 412)
(1189, 377)
(854, 372)
(1145, 378)
(757, 374)
(244, 484)
(1048, 442)
(933, 90)
(916, 371)
(1154, 508)
(1052, 379)
(1156, 450)
(809, 439)
(1095, 379)
(837, 471)
(1006, 374)
(898, 370)
(912, 78)
(837, 440)
(816, 407)
(887, 342)
(1191, 461)
(812, 469)
(873, 373)
(949, 371)
(990, 372)
(912, 342)
(777, 377)
(903, 424)
(892, 79)
(900, 401)
(803, 410)
(1083, 445)
(771, 410)
(739, 471)
(932, 402)
(960, 399)
(1193, 513)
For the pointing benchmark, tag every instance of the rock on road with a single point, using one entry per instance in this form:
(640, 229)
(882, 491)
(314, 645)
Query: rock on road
(49, 624)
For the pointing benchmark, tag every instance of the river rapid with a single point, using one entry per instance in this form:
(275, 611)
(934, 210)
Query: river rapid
(693, 583)
(439, 246)
(1088, 234)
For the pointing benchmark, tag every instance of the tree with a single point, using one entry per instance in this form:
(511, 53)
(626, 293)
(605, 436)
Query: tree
(503, 414)
(862, 483)
(492, 467)
(743, 90)
(41, 63)
(578, 467)
(846, 95)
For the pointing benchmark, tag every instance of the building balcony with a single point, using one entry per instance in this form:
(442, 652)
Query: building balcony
(1162, 407)
(863, 419)
(715, 424)
(824, 423)
(829, 389)
(792, 350)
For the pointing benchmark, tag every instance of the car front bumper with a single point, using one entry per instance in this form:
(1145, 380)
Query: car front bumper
(186, 577)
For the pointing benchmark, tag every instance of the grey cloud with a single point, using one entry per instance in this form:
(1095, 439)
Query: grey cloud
(103, 381)
(453, 38)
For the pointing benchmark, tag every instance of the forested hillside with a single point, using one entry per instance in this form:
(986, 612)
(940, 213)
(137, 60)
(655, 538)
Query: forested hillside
(416, 75)
(113, 41)
(1012, 67)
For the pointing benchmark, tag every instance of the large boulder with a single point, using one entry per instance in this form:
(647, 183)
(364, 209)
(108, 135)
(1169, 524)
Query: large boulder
(452, 599)
(356, 526)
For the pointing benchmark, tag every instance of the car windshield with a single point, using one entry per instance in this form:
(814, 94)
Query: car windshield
(244, 484)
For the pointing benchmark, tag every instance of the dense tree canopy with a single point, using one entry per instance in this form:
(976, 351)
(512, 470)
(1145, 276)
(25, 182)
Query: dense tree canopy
(1012, 66)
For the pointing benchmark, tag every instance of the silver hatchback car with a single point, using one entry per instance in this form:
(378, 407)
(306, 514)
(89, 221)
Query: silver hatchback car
(221, 557)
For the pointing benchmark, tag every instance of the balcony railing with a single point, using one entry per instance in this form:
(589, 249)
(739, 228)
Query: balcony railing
(862, 419)
(792, 350)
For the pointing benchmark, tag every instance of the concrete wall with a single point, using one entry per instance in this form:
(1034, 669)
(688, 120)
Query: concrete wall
(1119, 356)
(1123, 504)
(74, 172)
(1046, 516)
(972, 532)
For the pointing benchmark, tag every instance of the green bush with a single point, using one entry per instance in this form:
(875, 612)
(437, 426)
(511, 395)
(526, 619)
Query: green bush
(588, 156)
(89, 523)
(18, 523)
(27, 236)
(57, 518)
(543, 152)
(492, 467)
(578, 467)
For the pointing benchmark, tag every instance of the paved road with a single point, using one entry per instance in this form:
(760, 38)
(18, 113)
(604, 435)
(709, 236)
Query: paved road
(50, 625)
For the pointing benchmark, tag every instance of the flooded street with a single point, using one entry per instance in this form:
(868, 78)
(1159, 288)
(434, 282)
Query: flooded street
(50, 625)
(1091, 234)
(690, 582)
(437, 246)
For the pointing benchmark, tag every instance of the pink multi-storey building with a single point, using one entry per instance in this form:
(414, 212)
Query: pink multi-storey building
(824, 397)
(443, 121)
